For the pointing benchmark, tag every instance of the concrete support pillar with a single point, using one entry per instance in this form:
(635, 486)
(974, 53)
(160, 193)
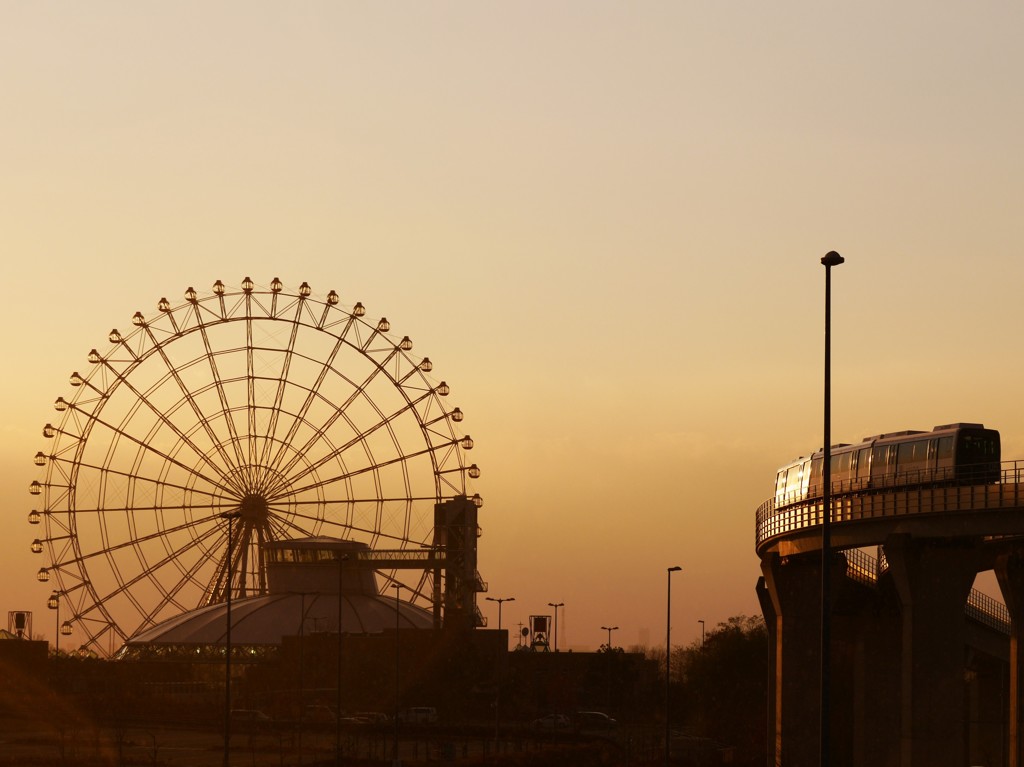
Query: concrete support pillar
(986, 708)
(932, 579)
(771, 625)
(1010, 574)
(792, 590)
(877, 709)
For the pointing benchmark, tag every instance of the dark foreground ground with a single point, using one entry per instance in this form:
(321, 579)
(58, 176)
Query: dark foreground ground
(28, 745)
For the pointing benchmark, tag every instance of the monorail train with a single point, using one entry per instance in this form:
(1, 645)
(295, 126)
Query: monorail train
(956, 453)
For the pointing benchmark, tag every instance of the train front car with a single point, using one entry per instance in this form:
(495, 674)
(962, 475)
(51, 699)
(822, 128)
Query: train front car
(957, 453)
(976, 454)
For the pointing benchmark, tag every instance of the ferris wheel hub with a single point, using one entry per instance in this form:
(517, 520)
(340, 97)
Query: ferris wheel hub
(254, 508)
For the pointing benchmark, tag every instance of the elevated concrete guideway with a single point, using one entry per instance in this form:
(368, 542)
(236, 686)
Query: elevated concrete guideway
(917, 680)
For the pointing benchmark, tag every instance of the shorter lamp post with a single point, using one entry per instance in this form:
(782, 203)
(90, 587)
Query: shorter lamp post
(609, 629)
(500, 600)
(497, 681)
(701, 633)
(610, 659)
(54, 604)
(556, 605)
(230, 516)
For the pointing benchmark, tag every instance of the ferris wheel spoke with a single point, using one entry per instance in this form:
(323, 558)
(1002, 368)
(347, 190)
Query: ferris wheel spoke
(98, 628)
(218, 491)
(240, 566)
(327, 482)
(111, 548)
(250, 386)
(424, 587)
(385, 422)
(218, 382)
(288, 522)
(283, 524)
(358, 391)
(169, 596)
(125, 585)
(416, 592)
(188, 396)
(121, 432)
(87, 511)
(303, 410)
(143, 399)
(279, 392)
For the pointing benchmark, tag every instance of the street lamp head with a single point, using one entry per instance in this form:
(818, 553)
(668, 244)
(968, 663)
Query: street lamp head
(832, 259)
(675, 569)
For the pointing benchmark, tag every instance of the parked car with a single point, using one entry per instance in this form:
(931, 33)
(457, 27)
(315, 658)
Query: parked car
(418, 715)
(594, 720)
(250, 719)
(552, 722)
(371, 717)
(318, 714)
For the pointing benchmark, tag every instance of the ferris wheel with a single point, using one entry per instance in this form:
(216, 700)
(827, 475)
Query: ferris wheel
(283, 412)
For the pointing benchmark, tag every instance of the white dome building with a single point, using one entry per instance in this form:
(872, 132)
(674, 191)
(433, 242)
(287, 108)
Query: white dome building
(303, 598)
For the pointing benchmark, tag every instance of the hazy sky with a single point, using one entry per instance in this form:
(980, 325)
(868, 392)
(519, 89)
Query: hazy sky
(601, 220)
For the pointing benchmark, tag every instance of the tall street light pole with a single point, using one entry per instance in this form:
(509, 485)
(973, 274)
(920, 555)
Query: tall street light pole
(398, 589)
(230, 516)
(668, 663)
(342, 559)
(829, 260)
(701, 622)
(556, 605)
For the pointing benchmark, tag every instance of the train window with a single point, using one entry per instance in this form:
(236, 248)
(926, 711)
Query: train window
(864, 463)
(842, 462)
(912, 456)
(810, 474)
(793, 483)
(879, 462)
(944, 452)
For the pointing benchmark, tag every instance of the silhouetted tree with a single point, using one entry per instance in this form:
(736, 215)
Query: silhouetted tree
(725, 686)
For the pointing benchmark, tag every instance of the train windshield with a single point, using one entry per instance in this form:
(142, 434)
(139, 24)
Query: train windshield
(978, 447)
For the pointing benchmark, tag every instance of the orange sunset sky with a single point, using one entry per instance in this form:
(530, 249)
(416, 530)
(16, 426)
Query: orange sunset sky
(602, 221)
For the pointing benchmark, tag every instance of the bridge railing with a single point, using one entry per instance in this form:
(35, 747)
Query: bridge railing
(861, 566)
(852, 501)
(988, 610)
